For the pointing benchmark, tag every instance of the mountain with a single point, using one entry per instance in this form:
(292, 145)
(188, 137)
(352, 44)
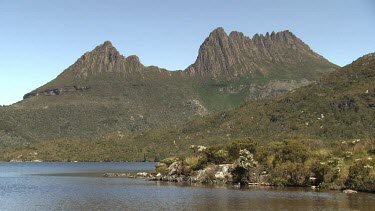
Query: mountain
(103, 66)
(105, 92)
(341, 106)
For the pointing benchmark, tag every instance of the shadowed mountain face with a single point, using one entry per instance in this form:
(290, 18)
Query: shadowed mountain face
(104, 91)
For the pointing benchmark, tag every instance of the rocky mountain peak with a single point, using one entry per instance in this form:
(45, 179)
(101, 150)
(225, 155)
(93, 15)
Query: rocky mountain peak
(107, 43)
(105, 58)
(223, 56)
(218, 33)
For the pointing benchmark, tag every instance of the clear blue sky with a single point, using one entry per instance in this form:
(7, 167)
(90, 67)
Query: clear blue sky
(41, 38)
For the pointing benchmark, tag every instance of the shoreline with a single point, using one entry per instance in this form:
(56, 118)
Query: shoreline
(182, 180)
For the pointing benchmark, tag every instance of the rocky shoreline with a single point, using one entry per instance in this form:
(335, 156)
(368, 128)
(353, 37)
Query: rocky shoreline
(182, 179)
(288, 163)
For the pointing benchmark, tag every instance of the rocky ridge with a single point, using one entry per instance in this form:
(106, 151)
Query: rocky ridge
(236, 55)
(276, 56)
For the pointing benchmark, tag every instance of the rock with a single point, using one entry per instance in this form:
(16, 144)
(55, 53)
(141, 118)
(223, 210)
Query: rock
(143, 174)
(220, 175)
(57, 91)
(104, 59)
(224, 173)
(348, 191)
(175, 168)
(122, 175)
(214, 174)
(202, 176)
(197, 107)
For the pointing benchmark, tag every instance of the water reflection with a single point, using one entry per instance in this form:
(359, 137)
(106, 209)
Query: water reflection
(20, 191)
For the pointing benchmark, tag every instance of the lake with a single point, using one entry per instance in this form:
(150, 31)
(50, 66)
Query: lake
(79, 186)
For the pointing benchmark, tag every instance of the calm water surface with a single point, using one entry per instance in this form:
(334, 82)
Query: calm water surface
(78, 186)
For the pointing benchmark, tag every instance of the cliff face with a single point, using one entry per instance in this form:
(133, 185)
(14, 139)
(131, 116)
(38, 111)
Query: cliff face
(236, 55)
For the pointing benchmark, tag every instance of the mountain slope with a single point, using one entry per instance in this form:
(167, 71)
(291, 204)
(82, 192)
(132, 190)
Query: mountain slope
(340, 106)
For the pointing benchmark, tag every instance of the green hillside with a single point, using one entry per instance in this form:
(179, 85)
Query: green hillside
(339, 107)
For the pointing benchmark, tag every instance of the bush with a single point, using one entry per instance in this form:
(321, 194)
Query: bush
(235, 147)
(323, 173)
(361, 177)
(240, 174)
(291, 150)
(161, 168)
(196, 162)
(290, 174)
(170, 160)
(217, 154)
(244, 163)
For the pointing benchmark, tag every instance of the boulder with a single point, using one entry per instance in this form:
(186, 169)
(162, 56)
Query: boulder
(220, 176)
(202, 176)
(349, 191)
(175, 168)
(143, 174)
(223, 173)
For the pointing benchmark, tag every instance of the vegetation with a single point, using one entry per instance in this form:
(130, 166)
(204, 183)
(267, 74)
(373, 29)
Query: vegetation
(332, 165)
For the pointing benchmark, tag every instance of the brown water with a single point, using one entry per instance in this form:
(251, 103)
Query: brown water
(77, 186)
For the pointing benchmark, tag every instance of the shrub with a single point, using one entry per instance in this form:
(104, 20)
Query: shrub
(244, 163)
(161, 168)
(323, 173)
(235, 147)
(217, 154)
(290, 174)
(196, 162)
(170, 160)
(240, 174)
(291, 150)
(361, 177)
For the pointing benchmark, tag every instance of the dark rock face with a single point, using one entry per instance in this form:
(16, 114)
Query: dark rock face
(235, 55)
(56, 91)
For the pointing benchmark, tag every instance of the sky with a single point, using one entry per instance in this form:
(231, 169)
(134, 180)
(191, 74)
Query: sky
(41, 38)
